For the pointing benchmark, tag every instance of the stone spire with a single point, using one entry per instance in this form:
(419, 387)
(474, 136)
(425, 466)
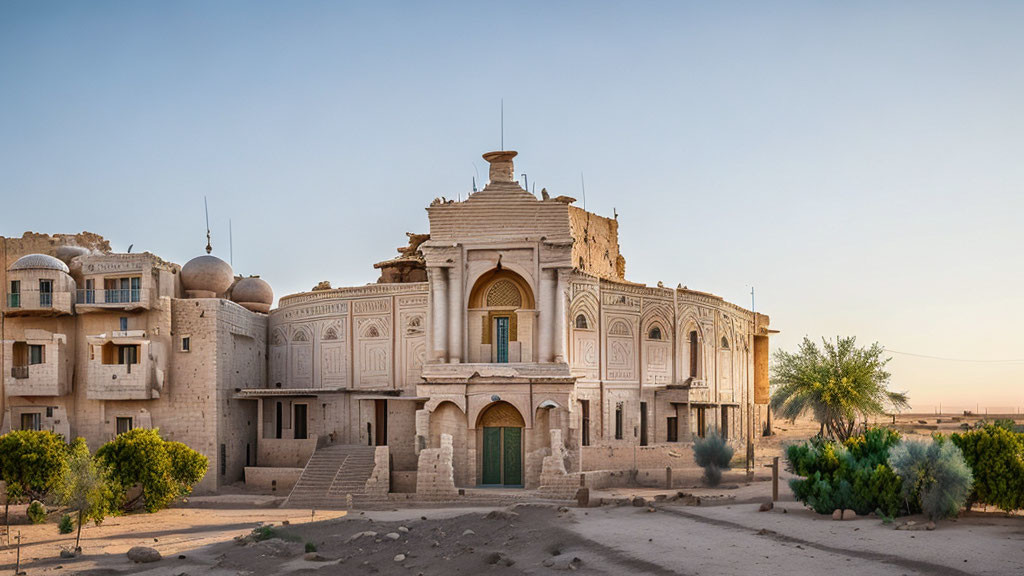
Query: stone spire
(502, 169)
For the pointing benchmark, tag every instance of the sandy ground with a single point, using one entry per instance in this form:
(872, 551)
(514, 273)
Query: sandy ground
(725, 535)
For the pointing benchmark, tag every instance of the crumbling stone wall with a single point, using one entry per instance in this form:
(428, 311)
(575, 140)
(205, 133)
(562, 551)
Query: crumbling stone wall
(595, 248)
(435, 478)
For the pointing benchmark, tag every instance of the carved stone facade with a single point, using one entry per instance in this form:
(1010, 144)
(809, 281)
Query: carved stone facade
(505, 347)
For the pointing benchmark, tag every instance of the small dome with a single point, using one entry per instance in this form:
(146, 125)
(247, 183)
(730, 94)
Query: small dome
(39, 262)
(252, 290)
(207, 274)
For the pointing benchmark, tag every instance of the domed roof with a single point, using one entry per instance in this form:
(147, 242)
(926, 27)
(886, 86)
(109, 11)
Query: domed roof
(253, 289)
(208, 274)
(39, 262)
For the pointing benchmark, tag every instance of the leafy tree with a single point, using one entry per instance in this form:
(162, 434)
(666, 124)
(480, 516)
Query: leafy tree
(33, 460)
(713, 454)
(996, 456)
(36, 512)
(838, 383)
(164, 470)
(934, 474)
(851, 475)
(83, 488)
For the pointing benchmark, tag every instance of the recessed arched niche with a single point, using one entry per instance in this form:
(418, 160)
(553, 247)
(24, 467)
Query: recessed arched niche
(502, 316)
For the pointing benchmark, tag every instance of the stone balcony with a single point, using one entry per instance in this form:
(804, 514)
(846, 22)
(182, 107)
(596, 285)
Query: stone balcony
(122, 381)
(36, 303)
(45, 379)
(90, 300)
(469, 372)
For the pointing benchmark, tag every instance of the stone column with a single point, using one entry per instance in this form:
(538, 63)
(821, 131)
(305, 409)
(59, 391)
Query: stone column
(439, 321)
(560, 332)
(547, 324)
(456, 309)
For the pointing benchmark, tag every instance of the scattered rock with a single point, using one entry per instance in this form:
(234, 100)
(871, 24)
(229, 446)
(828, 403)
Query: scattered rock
(501, 515)
(639, 502)
(929, 526)
(564, 562)
(65, 553)
(143, 554)
(181, 556)
(403, 529)
(392, 535)
(313, 557)
(766, 506)
(651, 509)
(500, 559)
(837, 514)
(562, 509)
(849, 515)
(364, 534)
(468, 532)
(285, 523)
(400, 558)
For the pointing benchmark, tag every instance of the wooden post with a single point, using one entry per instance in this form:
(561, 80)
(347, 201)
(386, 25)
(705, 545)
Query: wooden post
(17, 565)
(775, 479)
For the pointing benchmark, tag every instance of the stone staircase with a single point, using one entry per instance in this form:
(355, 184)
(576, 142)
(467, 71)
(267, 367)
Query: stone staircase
(332, 473)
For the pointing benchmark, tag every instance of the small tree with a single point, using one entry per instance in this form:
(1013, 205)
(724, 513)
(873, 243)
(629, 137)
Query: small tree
(838, 383)
(934, 474)
(164, 470)
(83, 488)
(33, 460)
(713, 454)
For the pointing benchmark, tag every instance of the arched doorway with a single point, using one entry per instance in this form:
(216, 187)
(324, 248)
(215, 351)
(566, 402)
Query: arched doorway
(501, 307)
(502, 462)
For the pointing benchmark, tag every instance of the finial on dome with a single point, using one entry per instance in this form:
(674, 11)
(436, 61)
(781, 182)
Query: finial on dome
(502, 169)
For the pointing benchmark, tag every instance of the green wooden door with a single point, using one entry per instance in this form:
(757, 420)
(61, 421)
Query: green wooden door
(512, 456)
(492, 456)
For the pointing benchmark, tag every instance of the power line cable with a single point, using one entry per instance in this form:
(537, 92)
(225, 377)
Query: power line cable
(1004, 361)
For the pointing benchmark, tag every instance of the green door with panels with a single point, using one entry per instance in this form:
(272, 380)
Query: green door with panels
(503, 456)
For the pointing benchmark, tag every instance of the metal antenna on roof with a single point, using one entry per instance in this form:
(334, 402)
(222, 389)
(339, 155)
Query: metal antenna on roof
(209, 245)
(583, 185)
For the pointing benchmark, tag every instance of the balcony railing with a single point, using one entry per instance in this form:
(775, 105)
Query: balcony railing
(14, 300)
(46, 299)
(116, 296)
(19, 372)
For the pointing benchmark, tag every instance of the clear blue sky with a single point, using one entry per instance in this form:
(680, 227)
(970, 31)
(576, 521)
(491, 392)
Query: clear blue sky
(859, 163)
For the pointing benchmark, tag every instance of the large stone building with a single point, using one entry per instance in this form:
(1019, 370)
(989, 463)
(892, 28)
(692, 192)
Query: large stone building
(505, 347)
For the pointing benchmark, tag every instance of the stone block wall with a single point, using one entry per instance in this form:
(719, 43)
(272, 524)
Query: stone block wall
(435, 479)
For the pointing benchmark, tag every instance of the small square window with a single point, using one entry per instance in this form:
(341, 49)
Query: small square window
(124, 324)
(186, 343)
(123, 424)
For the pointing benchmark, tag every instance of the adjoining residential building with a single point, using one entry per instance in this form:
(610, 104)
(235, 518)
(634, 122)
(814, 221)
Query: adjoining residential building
(503, 348)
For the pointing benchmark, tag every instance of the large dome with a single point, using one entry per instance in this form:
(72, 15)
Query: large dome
(253, 293)
(207, 274)
(39, 262)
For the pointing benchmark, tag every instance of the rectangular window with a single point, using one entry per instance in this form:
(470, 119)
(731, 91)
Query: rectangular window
(693, 354)
(643, 423)
(36, 354)
(585, 425)
(128, 354)
(124, 324)
(673, 429)
(223, 460)
(14, 298)
(278, 421)
(300, 428)
(45, 293)
(725, 421)
(701, 421)
(124, 424)
(618, 421)
(186, 343)
(136, 290)
(501, 338)
(90, 291)
(31, 421)
(49, 411)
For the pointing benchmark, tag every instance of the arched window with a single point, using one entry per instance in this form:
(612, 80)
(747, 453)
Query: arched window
(725, 343)
(504, 294)
(331, 333)
(654, 333)
(693, 354)
(581, 322)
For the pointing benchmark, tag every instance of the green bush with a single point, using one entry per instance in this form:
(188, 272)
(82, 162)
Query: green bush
(310, 547)
(36, 512)
(853, 475)
(934, 475)
(164, 470)
(713, 454)
(995, 455)
(34, 460)
(66, 526)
